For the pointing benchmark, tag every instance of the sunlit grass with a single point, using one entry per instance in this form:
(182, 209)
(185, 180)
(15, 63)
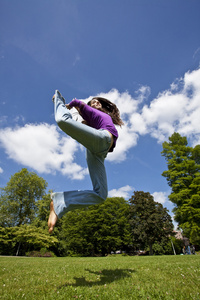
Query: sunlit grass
(118, 277)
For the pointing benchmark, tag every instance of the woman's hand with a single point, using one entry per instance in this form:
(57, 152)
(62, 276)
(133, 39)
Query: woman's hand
(84, 122)
(68, 106)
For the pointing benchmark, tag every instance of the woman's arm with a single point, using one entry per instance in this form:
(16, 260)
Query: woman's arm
(75, 103)
(78, 108)
(68, 106)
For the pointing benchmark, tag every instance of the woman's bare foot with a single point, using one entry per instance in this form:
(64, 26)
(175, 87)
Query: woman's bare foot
(52, 218)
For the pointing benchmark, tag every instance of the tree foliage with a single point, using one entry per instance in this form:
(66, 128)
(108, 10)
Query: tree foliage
(98, 229)
(18, 198)
(24, 238)
(150, 221)
(183, 176)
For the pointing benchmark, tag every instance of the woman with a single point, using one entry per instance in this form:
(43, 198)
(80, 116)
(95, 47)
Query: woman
(99, 138)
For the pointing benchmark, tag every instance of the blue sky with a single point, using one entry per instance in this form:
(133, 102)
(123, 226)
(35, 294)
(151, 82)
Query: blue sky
(143, 55)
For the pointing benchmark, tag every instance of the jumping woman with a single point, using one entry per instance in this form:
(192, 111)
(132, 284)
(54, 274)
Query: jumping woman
(97, 133)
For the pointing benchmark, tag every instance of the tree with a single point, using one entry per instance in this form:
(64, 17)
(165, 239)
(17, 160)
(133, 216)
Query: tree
(149, 220)
(96, 230)
(183, 176)
(18, 198)
(23, 238)
(112, 227)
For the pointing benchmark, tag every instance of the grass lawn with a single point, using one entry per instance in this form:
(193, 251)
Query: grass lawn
(112, 277)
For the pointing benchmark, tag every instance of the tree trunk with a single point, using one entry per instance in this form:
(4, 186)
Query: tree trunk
(150, 249)
(18, 249)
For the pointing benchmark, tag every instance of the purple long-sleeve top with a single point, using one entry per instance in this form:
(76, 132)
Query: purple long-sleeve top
(96, 119)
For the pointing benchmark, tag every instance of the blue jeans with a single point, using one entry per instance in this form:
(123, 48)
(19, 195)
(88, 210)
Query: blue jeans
(97, 144)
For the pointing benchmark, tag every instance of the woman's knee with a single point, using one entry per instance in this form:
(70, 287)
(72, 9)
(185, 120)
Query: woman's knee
(62, 119)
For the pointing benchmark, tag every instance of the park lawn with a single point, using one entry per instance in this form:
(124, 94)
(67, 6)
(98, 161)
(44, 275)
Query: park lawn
(111, 277)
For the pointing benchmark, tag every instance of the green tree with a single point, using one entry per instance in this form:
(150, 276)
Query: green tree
(7, 242)
(23, 238)
(76, 233)
(150, 221)
(18, 199)
(96, 230)
(183, 176)
(112, 230)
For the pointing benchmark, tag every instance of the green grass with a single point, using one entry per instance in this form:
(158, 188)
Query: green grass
(112, 277)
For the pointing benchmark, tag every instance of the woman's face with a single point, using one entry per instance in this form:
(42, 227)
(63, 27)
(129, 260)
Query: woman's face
(95, 104)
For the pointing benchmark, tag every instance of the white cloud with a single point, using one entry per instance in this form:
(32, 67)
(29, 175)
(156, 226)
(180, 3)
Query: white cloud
(1, 170)
(41, 147)
(161, 197)
(121, 192)
(176, 109)
(127, 139)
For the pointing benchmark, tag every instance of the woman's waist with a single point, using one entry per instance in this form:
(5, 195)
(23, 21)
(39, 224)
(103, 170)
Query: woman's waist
(111, 135)
(113, 141)
(112, 132)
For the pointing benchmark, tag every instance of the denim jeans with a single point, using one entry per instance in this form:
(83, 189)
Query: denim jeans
(97, 144)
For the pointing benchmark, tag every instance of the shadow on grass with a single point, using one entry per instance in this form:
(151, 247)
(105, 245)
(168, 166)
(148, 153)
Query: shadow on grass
(102, 277)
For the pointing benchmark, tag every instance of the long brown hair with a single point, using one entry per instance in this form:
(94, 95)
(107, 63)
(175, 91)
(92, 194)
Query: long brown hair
(109, 108)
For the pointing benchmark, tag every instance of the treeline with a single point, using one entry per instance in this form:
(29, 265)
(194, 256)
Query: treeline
(139, 223)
